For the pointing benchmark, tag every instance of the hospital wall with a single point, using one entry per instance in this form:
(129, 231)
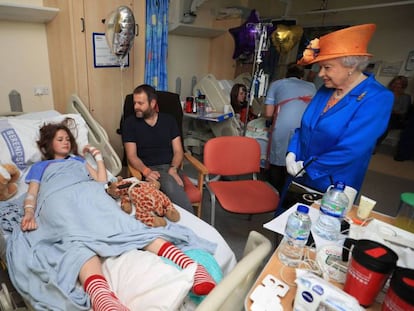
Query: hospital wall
(390, 44)
(24, 63)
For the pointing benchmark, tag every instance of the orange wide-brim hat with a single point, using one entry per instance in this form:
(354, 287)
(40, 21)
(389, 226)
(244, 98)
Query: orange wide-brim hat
(351, 41)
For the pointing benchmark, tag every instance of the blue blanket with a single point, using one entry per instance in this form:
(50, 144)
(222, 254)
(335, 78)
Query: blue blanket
(76, 220)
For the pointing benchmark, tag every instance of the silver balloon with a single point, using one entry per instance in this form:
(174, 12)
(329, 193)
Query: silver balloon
(120, 31)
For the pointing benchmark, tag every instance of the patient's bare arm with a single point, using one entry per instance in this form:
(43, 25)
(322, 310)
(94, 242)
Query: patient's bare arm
(29, 222)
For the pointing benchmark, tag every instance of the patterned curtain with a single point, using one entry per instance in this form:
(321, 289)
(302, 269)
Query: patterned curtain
(156, 44)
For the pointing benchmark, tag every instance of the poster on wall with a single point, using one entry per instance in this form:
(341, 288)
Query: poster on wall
(102, 55)
(390, 69)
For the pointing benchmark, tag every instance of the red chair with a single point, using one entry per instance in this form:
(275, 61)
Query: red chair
(237, 156)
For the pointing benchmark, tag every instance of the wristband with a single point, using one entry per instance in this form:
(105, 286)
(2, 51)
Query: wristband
(146, 171)
(29, 206)
(173, 166)
(98, 157)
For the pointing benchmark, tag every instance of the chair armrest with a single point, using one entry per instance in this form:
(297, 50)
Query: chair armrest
(201, 169)
(133, 172)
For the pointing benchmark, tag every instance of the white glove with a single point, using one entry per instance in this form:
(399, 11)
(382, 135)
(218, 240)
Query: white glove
(293, 167)
(291, 163)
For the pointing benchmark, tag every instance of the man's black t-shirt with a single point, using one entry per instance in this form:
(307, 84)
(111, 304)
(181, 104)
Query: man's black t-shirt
(154, 143)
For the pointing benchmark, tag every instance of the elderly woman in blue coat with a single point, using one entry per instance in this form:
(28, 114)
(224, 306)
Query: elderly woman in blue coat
(342, 123)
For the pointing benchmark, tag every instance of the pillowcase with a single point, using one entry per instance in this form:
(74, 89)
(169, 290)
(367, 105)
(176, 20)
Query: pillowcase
(18, 137)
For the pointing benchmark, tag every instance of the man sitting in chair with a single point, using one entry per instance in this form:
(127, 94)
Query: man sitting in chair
(153, 145)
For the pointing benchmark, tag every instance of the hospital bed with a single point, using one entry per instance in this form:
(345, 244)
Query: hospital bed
(160, 280)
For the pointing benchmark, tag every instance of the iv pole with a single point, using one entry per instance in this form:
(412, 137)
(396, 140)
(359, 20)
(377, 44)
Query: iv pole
(258, 81)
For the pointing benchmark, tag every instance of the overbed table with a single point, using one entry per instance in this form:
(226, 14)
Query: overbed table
(274, 267)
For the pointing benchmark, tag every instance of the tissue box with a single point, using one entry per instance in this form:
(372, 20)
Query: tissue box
(314, 293)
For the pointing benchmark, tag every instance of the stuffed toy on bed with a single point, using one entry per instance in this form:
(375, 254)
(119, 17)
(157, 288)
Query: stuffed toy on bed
(151, 205)
(9, 174)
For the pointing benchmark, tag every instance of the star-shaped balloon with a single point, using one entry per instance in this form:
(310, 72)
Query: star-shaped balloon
(244, 36)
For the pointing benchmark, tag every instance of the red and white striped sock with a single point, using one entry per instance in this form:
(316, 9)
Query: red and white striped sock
(102, 298)
(203, 282)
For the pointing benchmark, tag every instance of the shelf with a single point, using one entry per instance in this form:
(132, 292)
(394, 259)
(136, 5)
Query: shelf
(194, 31)
(26, 13)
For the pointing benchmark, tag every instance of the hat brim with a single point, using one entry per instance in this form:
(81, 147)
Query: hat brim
(320, 58)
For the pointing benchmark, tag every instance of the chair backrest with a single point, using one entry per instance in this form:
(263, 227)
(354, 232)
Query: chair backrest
(170, 103)
(232, 155)
(167, 102)
(231, 292)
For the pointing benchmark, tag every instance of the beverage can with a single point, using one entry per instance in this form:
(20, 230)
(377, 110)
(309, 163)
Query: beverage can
(189, 101)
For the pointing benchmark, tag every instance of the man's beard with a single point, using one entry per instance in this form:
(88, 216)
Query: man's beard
(145, 114)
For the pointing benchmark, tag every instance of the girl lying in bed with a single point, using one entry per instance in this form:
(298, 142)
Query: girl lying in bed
(70, 223)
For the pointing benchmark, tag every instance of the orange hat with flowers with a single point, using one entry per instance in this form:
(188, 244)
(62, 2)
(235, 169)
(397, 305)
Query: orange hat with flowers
(351, 41)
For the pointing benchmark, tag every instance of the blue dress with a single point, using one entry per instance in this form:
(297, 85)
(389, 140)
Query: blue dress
(76, 219)
(341, 141)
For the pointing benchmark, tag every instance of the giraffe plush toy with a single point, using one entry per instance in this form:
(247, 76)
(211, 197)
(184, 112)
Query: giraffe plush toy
(151, 205)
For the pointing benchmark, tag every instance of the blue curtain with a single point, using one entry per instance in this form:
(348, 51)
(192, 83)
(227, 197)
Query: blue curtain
(156, 44)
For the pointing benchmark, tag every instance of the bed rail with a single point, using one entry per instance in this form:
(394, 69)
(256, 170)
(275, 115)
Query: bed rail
(96, 134)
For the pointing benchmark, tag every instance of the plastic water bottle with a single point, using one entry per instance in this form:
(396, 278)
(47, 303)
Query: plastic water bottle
(297, 231)
(333, 206)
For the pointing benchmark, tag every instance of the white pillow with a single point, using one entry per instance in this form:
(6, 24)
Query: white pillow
(18, 138)
(143, 281)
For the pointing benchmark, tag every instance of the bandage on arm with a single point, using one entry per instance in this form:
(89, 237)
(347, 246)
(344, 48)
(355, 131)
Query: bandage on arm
(29, 203)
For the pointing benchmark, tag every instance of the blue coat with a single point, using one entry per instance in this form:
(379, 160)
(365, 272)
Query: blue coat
(341, 141)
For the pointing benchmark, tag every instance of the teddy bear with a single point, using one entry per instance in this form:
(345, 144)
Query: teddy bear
(9, 174)
(151, 205)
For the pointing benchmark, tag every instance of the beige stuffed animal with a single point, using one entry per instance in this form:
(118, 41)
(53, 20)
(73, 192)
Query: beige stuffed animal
(151, 205)
(9, 174)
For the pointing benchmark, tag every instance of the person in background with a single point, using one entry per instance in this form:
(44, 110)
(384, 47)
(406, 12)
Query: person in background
(342, 123)
(70, 222)
(314, 77)
(285, 102)
(402, 102)
(405, 147)
(153, 145)
(238, 95)
(401, 109)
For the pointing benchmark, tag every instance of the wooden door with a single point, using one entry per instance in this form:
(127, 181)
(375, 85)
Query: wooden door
(107, 86)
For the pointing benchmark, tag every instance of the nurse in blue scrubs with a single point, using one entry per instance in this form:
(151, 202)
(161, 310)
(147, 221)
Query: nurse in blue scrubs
(345, 118)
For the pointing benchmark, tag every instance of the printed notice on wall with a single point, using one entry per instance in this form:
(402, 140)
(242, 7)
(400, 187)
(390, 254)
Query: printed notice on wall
(102, 55)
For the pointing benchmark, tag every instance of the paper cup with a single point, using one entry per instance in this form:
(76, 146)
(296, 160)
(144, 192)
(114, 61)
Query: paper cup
(351, 194)
(226, 108)
(365, 207)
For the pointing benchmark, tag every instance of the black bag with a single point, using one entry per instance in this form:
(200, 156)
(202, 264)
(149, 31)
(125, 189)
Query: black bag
(297, 193)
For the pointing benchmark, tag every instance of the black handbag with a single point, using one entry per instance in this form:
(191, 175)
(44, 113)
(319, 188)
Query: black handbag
(297, 193)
